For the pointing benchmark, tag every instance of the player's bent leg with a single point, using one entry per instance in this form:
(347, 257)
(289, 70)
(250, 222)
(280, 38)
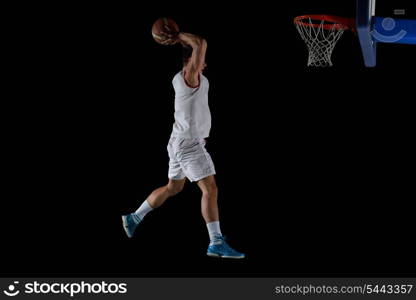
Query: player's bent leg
(155, 199)
(175, 186)
(218, 247)
(160, 195)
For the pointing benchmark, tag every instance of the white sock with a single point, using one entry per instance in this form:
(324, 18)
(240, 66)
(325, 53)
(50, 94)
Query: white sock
(214, 232)
(143, 210)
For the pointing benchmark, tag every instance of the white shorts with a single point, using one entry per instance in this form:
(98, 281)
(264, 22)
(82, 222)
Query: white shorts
(189, 158)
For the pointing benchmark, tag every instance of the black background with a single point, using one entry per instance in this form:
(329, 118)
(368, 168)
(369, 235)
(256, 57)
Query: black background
(313, 165)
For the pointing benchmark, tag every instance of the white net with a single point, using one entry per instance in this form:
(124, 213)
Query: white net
(320, 39)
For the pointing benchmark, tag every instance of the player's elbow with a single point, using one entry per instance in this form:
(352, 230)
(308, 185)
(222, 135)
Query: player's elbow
(200, 42)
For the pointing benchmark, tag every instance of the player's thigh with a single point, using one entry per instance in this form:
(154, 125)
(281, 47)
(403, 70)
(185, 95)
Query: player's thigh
(196, 161)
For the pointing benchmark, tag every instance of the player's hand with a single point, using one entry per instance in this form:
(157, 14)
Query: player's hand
(171, 37)
(169, 42)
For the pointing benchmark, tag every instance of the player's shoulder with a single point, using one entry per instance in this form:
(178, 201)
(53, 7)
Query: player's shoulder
(203, 77)
(178, 76)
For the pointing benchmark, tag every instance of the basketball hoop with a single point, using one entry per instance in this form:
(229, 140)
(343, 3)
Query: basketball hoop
(321, 33)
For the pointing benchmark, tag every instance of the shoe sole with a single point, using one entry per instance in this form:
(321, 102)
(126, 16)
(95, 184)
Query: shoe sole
(224, 256)
(124, 219)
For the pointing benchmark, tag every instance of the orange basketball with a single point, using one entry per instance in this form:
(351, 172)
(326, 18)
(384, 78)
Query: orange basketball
(160, 27)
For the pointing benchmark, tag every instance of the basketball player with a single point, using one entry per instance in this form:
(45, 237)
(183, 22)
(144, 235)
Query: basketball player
(186, 147)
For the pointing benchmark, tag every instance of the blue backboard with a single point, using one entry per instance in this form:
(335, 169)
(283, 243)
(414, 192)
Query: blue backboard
(373, 30)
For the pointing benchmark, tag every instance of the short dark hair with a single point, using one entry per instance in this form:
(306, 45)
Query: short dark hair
(186, 54)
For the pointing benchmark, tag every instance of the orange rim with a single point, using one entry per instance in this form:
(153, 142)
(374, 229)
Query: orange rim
(334, 22)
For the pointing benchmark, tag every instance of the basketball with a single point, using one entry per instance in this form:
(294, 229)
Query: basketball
(159, 27)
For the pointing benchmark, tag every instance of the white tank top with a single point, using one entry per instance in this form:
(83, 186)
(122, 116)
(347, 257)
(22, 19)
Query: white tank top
(192, 114)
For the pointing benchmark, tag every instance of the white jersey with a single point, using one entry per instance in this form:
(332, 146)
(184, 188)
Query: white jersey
(192, 114)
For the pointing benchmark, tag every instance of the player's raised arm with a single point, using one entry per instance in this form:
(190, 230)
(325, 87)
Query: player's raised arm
(197, 60)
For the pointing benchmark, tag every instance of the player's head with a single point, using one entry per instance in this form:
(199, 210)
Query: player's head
(186, 56)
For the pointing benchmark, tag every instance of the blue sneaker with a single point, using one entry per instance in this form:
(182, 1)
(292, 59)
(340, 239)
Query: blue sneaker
(222, 249)
(130, 223)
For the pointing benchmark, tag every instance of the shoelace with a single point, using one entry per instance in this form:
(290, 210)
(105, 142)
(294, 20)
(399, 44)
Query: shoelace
(224, 246)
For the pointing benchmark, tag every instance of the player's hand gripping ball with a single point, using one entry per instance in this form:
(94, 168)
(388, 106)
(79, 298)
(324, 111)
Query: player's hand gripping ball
(165, 31)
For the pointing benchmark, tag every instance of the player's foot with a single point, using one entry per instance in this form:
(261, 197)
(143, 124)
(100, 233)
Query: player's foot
(130, 223)
(223, 250)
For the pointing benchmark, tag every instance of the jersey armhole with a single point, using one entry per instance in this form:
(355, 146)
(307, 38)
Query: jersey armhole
(188, 85)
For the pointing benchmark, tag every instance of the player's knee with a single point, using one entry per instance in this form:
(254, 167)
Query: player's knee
(174, 189)
(211, 190)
